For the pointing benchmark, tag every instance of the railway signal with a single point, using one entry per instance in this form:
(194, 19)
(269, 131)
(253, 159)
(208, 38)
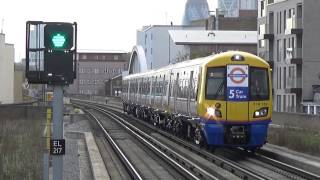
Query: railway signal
(58, 37)
(51, 49)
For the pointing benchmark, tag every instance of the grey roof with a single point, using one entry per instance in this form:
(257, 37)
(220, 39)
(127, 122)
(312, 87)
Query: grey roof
(184, 37)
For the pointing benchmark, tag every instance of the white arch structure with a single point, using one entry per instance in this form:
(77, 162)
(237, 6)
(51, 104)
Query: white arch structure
(138, 61)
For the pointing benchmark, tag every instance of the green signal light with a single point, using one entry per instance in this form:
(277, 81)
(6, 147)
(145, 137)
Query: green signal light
(58, 40)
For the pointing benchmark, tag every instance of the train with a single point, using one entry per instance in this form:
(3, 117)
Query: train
(223, 100)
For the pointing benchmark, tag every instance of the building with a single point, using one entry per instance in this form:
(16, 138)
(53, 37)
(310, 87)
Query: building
(244, 18)
(19, 79)
(200, 43)
(94, 68)
(289, 40)
(233, 8)
(195, 10)
(184, 44)
(155, 48)
(114, 86)
(6, 71)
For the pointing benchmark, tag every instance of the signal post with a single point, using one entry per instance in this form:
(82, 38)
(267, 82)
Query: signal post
(51, 59)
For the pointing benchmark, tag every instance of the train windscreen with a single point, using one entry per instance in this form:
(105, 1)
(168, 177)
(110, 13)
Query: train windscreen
(215, 85)
(259, 88)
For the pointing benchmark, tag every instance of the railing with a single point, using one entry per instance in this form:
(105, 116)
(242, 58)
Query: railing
(265, 55)
(293, 23)
(297, 23)
(269, 29)
(294, 82)
(266, 29)
(293, 53)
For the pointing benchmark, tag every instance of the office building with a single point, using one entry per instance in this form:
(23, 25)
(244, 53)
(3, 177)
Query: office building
(289, 40)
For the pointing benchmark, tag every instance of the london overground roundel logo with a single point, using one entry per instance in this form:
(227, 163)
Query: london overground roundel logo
(237, 75)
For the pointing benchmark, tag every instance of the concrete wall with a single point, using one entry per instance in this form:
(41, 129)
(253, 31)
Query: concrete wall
(297, 120)
(18, 80)
(6, 71)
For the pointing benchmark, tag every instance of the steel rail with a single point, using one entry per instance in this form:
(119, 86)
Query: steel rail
(228, 165)
(163, 150)
(294, 170)
(219, 161)
(132, 171)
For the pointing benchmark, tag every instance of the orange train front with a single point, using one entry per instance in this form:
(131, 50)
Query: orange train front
(219, 100)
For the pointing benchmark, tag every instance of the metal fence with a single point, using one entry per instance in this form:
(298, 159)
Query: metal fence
(21, 141)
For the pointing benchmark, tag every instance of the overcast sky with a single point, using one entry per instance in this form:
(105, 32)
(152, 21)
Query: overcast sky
(102, 24)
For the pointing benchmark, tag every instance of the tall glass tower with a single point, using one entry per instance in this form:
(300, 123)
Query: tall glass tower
(230, 8)
(195, 10)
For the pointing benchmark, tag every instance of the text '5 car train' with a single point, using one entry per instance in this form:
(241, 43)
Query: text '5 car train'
(223, 100)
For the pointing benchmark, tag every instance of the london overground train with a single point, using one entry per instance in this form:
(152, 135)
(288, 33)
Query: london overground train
(222, 100)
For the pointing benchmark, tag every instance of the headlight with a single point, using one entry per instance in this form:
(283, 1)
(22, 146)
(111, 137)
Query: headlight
(261, 112)
(212, 112)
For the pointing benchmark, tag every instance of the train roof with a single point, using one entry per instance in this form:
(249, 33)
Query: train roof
(188, 63)
(201, 61)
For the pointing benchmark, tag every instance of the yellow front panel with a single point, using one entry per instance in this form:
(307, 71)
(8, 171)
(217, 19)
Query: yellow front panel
(256, 105)
(237, 112)
(203, 110)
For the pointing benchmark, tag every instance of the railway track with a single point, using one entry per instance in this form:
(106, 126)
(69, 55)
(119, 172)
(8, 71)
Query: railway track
(186, 168)
(239, 163)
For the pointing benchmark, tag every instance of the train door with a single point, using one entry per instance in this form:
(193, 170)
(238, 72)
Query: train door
(190, 92)
(139, 81)
(163, 90)
(175, 92)
(168, 91)
(237, 93)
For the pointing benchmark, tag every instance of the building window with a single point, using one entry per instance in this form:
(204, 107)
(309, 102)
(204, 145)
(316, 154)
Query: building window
(116, 57)
(277, 22)
(280, 24)
(261, 43)
(84, 56)
(278, 50)
(285, 19)
(278, 103)
(262, 9)
(284, 77)
(280, 78)
(284, 103)
(285, 48)
(96, 71)
(145, 38)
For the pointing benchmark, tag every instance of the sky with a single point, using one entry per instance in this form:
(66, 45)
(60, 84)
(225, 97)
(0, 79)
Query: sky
(102, 24)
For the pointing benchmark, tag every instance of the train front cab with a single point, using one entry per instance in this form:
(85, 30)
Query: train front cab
(236, 115)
